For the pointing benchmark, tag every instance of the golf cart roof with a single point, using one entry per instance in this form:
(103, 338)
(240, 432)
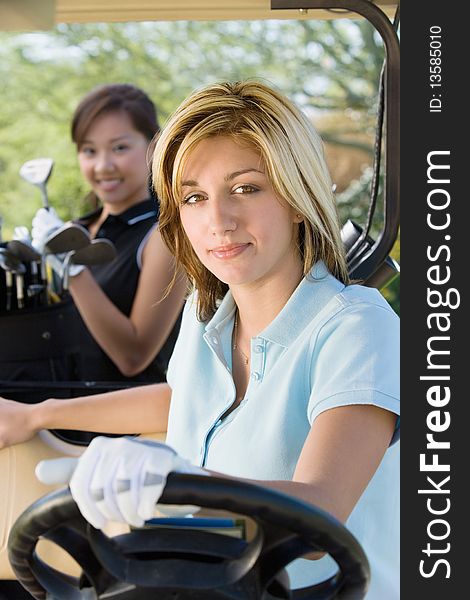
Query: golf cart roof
(33, 15)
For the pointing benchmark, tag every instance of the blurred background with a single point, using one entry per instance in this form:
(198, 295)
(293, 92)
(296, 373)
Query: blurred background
(331, 68)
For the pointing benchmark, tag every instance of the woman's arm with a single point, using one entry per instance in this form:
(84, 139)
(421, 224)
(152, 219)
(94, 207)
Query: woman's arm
(133, 342)
(341, 454)
(142, 409)
(339, 457)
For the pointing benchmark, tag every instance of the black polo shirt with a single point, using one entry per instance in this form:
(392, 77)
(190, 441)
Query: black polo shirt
(127, 231)
(119, 279)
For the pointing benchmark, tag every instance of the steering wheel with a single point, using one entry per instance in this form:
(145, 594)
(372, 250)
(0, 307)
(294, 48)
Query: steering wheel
(183, 563)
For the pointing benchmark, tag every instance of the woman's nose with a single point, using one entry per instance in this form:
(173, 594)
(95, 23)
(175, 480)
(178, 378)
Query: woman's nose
(103, 162)
(221, 218)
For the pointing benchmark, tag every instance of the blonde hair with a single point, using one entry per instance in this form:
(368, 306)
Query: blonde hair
(292, 152)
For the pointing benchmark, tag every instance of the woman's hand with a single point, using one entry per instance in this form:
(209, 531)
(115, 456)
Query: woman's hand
(45, 222)
(122, 479)
(17, 423)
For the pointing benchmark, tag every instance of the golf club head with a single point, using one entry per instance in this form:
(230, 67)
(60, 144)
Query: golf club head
(23, 250)
(97, 252)
(4, 257)
(68, 237)
(10, 262)
(37, 171)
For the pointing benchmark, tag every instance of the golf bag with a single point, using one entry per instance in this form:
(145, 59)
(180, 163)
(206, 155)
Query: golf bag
(37, 343)
(42, 350)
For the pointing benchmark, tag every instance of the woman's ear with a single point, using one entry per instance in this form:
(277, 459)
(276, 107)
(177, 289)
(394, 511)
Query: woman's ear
(298, 218)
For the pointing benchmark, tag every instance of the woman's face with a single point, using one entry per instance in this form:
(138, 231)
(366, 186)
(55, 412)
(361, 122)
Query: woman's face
(236, 224)
(112, 158)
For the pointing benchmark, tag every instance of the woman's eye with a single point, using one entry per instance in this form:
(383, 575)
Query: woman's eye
(192, 198)
(87, 151)
(120, 148)
(244, 188)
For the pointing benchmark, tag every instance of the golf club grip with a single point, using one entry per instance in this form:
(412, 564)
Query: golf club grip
(20, 290)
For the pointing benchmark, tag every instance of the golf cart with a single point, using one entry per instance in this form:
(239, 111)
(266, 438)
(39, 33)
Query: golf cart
(202, 564)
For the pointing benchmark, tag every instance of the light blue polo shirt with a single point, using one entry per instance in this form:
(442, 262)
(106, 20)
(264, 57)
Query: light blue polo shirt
(331, 345)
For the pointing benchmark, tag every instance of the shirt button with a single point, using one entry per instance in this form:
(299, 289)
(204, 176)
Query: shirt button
(255, 376)
(258, 349)
(215, 340)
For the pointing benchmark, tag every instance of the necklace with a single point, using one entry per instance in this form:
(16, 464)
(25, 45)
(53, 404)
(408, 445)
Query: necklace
(235, 345)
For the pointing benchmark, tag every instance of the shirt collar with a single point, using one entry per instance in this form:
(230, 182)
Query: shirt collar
(223, 314)
(136, 213)
(311, 295)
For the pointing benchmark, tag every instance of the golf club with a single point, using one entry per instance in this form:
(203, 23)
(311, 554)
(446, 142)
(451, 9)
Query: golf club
(97, 252)
(24, 250)
(35, 291)
(19, 272)
(37, 171)
(13, 266)
(65, 239)
(4, 263)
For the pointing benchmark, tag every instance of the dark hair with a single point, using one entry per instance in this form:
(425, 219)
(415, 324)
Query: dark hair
(115, 97)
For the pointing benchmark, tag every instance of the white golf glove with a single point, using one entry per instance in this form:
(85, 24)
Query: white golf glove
(119, 479)
(21, 233)
(44, 223)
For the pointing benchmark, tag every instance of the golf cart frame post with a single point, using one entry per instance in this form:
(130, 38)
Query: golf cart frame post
(375, 255)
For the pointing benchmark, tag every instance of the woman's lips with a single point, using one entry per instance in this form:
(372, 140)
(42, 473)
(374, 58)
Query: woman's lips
(108, 185)
(229, 251)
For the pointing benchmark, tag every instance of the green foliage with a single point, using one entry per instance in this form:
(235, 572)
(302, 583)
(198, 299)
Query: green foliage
(324, 65)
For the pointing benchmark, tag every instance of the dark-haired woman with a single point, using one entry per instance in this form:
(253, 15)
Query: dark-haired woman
(125, 325)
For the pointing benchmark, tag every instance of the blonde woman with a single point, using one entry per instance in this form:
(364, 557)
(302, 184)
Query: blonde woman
(283, 372)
